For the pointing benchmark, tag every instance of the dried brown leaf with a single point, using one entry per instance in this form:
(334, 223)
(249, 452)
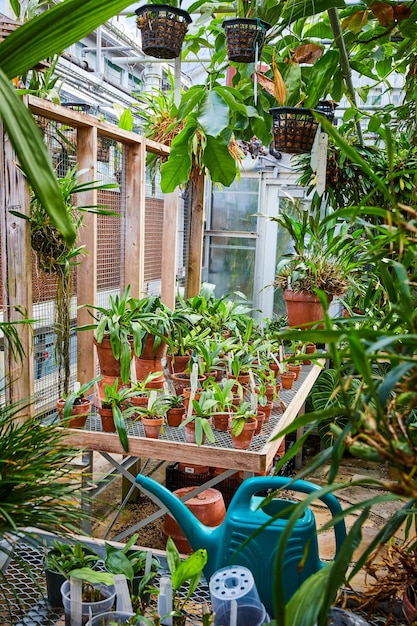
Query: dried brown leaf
(307, 53)
(280, 90)
(383, 12)
(266, 83)
(355, 22)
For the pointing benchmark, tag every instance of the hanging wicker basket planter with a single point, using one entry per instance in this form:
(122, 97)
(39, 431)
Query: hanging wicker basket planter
(163, 29)
(295, 128)
(243, 36)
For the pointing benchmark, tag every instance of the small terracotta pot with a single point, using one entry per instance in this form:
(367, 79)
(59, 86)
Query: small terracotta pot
(287, 380)
(178, 363)
(189, 431)
(152, 426)
(409, 604)
(79, 412)
(310, 349)
(181, 381)
(144, 367)
(107, 421)
(267, 409)
(260, 417)
(221, 421)
(174, 415)
(187, 394)
(243, 441)
(149, 353)
(274, 367)
(294, 368)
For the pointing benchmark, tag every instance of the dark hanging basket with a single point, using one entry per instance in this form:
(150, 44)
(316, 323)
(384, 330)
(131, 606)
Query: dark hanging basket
(294, 128)
(163, 29)
(242, 37)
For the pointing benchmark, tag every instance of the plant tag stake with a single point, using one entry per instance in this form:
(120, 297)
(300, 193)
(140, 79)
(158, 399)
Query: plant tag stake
(123, 602)
(318, 161)
(165, 600)
(148, 562)
(194, 377)
(75, 598)
(152, 398)
(133, 376)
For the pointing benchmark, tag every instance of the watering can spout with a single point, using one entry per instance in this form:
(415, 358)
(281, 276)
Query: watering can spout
(198, 534)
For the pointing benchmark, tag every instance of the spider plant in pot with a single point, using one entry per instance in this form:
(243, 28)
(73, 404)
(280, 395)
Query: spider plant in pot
(197, 425)
(57, 258)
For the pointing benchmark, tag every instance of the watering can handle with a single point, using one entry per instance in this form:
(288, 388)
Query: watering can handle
(260, 483)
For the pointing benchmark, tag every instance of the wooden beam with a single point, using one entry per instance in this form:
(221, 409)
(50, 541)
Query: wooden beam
(87, 270)
(196, 236)
(169, 249)
(134, 251)
(17, 272)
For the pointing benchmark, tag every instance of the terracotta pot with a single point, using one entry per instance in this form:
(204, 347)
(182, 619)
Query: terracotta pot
(243, 379)
(243, 441)
(174, 415)
(109, 366)
(189, 431)
(267, 409)
(187, 394)
(79, 412)
(144, 367)
(188, 468)
(181, 380)
(152, 426)
(294, 368)
(409, 604)
(274, 367)
(107, 421)
(260, 417)
(310, 349)
(178, 363)
(208, 507)
(149, 353)
(221, 421)
(303, 309)
(287, 380)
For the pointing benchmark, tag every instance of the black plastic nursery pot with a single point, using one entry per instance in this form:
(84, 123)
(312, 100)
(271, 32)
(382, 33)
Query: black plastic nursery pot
(163, 29)
(243, 36)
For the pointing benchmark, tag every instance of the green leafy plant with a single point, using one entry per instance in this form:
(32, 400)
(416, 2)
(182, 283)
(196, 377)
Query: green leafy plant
(222, 394)
(74, 396)
(117, 400)
(187, 571)
(64, 557)
(244, 413)
(202, 409)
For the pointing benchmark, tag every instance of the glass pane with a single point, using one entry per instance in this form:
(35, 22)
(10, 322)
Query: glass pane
(231, 265)
(235, 207)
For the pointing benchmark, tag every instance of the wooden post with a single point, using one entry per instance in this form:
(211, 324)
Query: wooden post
(17, 272)
(134, 261)
(169, 249)
(87, 287)
(196, 236)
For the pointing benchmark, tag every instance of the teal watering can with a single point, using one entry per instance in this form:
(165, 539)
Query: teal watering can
(242, 519)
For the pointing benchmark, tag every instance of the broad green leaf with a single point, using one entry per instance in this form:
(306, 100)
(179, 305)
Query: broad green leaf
(176, 170)
(293, 82)
(118, 563)
(32, 156)
(53, 31)
(296, 9)
(126, 120)
(120, 424)
(92, 576)
(213, 114)
(219, 161)
(320, 77)
(188, 569)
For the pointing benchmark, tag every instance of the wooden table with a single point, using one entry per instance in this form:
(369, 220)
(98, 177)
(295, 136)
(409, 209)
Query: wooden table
(171, 446)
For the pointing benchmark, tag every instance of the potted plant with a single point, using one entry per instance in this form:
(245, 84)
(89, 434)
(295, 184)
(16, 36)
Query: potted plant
(139, 566)
(317, 266)
(183, 572)
(163, 27)
(74, 408)
(120, 331)
(245, 34)
(152, 415)
(96, 593)
(243, 425)
(175, 408)
(223, 409)
(197, 423)
(59, 561)
(55, 256)
(114, 409)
